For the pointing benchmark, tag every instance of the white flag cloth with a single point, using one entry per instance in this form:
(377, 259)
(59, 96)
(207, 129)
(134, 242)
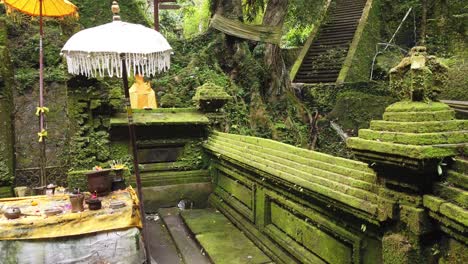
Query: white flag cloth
(98, 51)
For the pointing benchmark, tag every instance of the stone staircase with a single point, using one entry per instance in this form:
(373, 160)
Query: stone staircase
(328, 51)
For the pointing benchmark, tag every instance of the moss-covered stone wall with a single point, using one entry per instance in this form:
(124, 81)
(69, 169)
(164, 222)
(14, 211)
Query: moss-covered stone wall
(6, 110)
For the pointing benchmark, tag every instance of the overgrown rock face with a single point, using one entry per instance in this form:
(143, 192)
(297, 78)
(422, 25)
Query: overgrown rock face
(418, 77)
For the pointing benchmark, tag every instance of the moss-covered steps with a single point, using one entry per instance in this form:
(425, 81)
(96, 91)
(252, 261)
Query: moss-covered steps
(414, 130)
(221, 240)
(449, 202)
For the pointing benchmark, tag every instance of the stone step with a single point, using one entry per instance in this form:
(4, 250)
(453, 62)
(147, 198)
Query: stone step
(172, 177)
(319, 67)
(461, 165)
(161, 246)
(326, 27)
(317, 75)
(165, 166)
(315, 71)
(333, 34)
(450, 137)
(443, 115)
(419, 127)
(221, 240)
(458, 179)
(187, 247)
(314, 80)
(452, 194)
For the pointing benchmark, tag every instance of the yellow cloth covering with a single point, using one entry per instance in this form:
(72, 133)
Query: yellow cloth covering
(141, 94)
(67, 223)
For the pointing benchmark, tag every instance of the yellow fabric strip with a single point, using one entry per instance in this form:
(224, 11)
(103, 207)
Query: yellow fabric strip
(67, 223)
(241, 30)
(42, 135)
(40, 110)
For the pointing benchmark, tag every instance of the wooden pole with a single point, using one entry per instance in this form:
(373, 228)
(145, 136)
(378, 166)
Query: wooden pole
(42, 159)
(132, 135)
(156, 15)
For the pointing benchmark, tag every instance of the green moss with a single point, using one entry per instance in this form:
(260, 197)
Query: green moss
(452, 194)
(215, 233)
(275, 145)
(162, 118)
(443, 115)
(419, 127)
(397, 249)
(458, 179)
(164, 178)
(94, 13)
(409, 106)
(455, 252)
(192, 155)
(210, 91)
(411, 151)
(455, 212)
(415, 219)
(354, 110)
(455, 137)
(433, 202)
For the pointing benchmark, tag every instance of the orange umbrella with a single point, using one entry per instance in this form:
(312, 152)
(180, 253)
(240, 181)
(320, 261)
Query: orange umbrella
(42, 8)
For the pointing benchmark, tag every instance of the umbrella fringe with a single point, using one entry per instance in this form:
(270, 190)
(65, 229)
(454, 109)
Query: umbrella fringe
(94, 65)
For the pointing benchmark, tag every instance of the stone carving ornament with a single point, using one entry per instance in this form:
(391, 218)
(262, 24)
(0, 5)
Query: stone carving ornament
(418, 77)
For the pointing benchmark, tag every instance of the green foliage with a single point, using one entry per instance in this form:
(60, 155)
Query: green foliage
(94, 13)
(77, 179)
(196, 18)
(301, 18)
(457, 80)
(26, 79)
(171, 100)
(210, 91)
(446, 24)
(297, 35)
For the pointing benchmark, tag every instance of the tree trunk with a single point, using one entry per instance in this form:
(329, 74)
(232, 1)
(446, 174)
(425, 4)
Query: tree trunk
(227, 8)
(275, 15)
(422, 34)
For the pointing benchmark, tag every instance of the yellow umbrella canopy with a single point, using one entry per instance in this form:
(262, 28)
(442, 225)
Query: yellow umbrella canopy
(50, 8)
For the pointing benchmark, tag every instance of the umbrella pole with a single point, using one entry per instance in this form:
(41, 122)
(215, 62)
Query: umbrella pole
(41, 100)
(131, 130)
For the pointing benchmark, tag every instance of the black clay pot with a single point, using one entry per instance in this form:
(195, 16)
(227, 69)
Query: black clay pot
(94, 204)
(99, 182)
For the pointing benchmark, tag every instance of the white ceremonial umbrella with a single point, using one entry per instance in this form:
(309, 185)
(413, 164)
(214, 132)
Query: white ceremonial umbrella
(101, 50)
(121, 49)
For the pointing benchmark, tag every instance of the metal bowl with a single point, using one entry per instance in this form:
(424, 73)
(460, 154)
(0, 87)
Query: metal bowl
(117, 204)
(12, 212)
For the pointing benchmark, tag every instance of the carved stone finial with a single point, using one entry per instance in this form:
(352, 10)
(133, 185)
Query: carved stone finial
(418, 77)
(115, 11)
